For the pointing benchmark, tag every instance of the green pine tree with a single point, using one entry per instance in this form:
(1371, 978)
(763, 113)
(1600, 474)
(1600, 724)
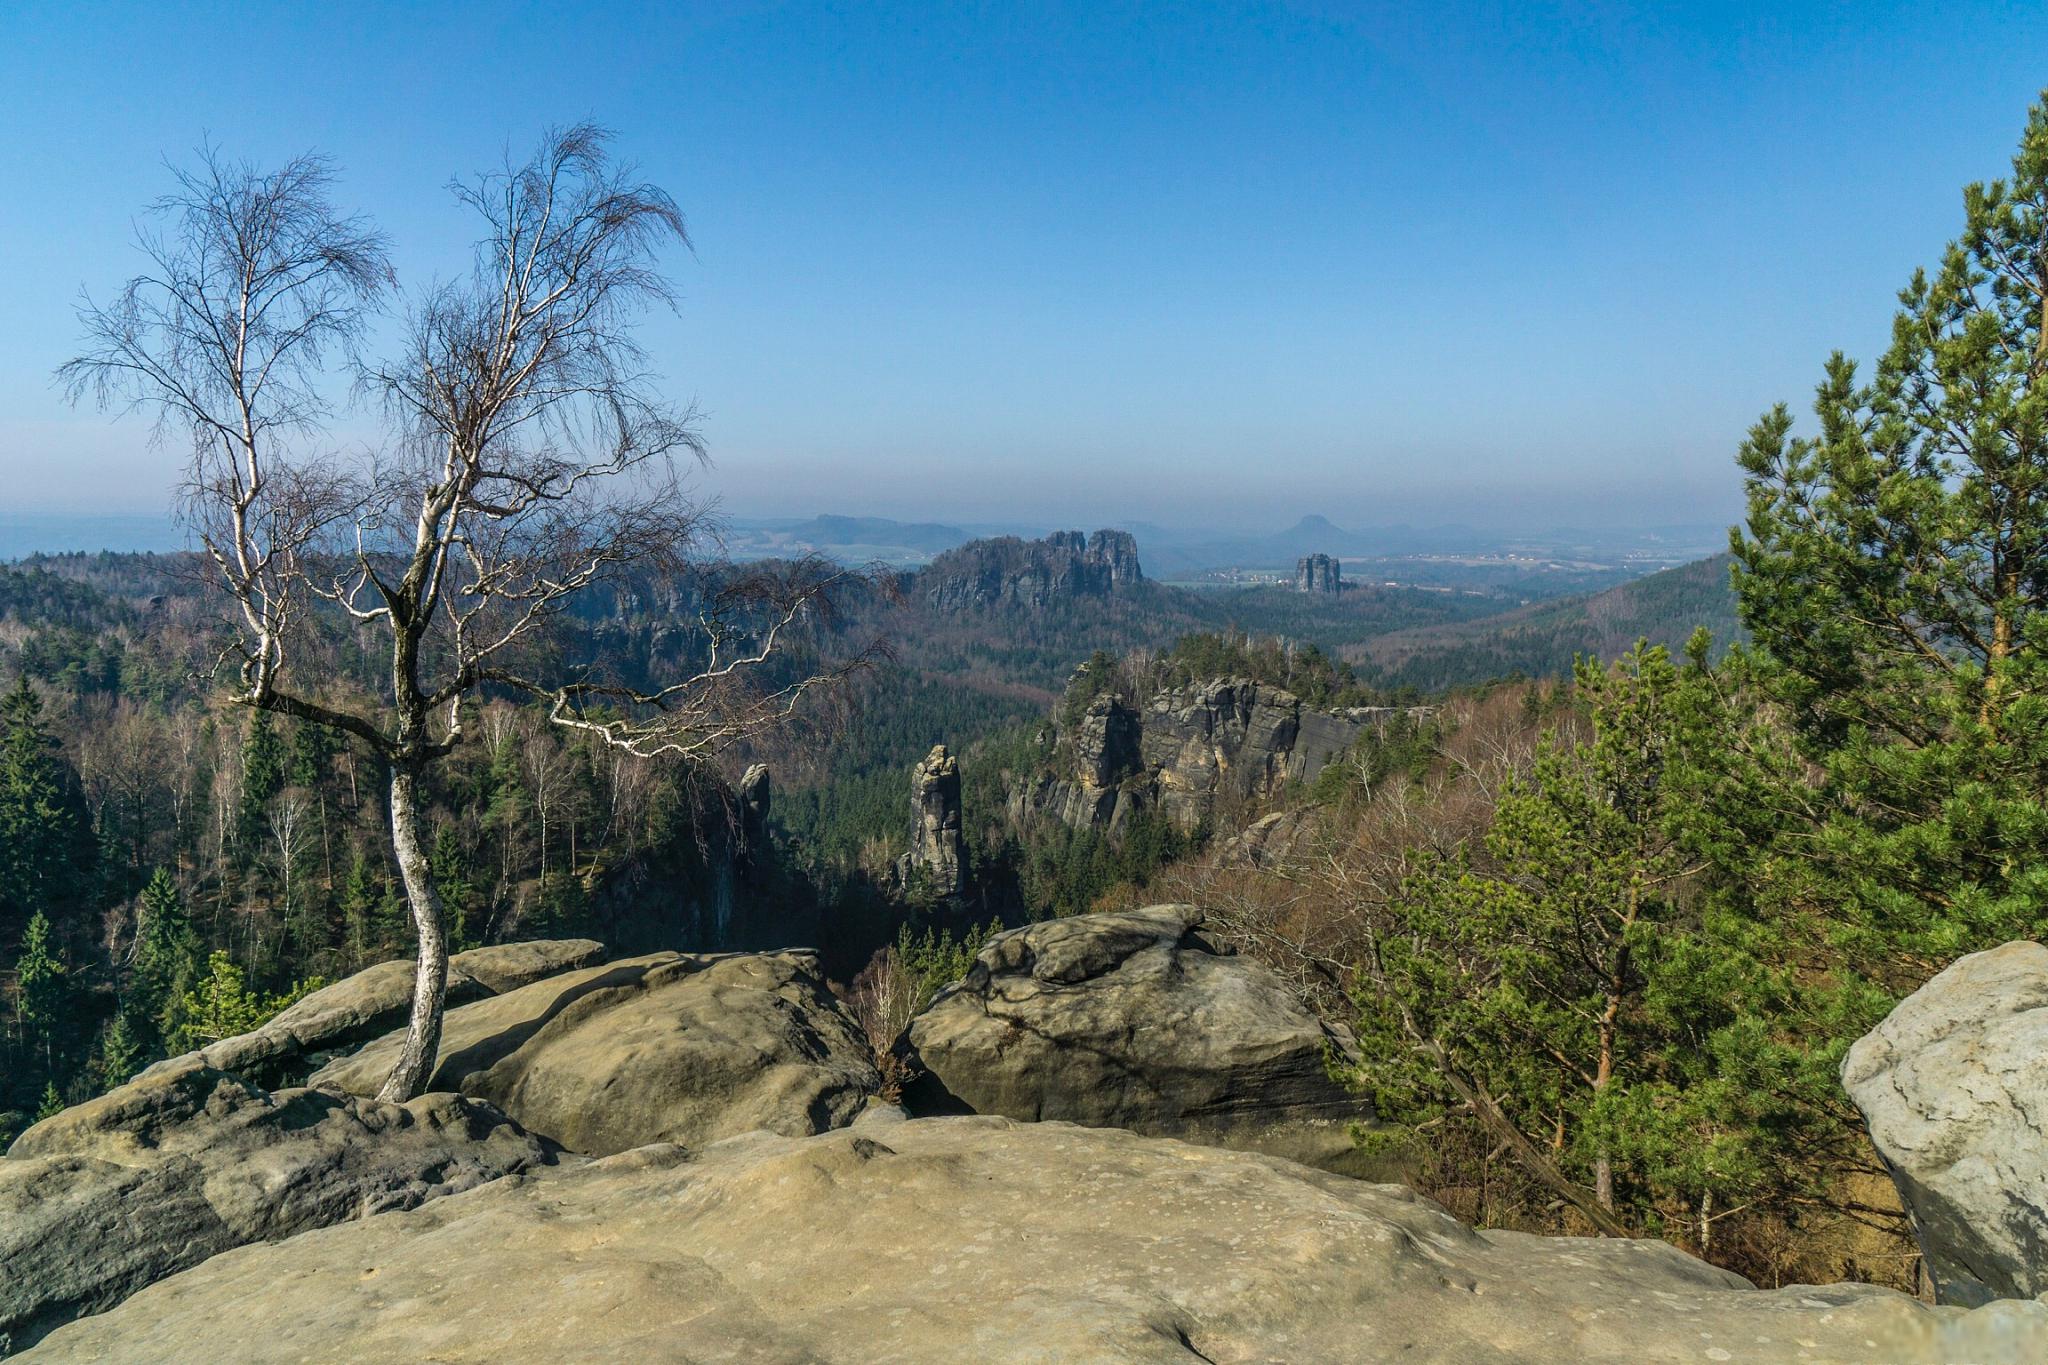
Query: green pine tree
(42, 999)
(120, 1053)
(166, 954)
(449, 867)
(1573, 989)
(263, 774)
(313, 749)
(220, 1006)
(359, 904)
(52, 1103)
(1894, 574)
(46, 839)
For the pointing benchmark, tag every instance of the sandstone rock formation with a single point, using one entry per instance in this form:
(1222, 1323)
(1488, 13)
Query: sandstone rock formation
(976, 1239)
(1188, 750)
(1270, 839)
(360, 1007)
(671, 1047)
(1009, 572)
(1954, 1087)
(1097, 788)
(1135, 1020)
(163, 1172)
(1319, 574)
(755, 799)
(936, 855)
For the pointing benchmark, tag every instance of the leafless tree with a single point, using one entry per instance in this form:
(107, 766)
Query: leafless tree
(528, 459)
(287, 818)
(543, 762)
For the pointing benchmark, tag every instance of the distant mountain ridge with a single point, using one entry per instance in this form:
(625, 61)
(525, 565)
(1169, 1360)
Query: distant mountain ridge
(830, 529)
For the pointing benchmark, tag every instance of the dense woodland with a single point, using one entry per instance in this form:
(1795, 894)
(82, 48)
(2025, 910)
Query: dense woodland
(176, 827)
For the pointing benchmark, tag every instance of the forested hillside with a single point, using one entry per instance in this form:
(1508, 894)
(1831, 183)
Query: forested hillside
(1543, 640)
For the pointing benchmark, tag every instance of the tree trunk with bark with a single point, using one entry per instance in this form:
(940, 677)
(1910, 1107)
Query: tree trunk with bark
(430, 981)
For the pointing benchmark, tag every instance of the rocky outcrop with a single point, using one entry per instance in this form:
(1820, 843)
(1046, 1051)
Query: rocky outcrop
(358, 1008)
(1189, 750)
(1010, 572)
(1318, 574)
(755, 799)
(978, 1239)
(671, 1047)
(1269, 840)
(1135, 1020)
(174, 1167)
(1955, 1091)
(936, 862)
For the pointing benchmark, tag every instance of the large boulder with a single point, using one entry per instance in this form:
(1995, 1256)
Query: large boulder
(975, 1239)
(1136, 1020)
(161, 1173)
(672, 1047)
(1954, 1088)
(358, 1008)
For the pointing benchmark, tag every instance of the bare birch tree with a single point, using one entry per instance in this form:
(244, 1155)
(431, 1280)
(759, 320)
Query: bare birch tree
(528, 459)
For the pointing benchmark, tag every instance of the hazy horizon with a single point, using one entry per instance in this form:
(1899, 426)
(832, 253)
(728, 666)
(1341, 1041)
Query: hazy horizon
(1516, 268)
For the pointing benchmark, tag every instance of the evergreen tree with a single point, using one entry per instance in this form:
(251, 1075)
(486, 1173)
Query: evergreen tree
(458, 889)
(42, 1003)
(52, 1103)
(1573, 987)
(1894, 574)
(263, 774)
(120, 1053)
(220, 1006)
(46, 839)
(312, 752)
(510, 812)
(166, 954)
(359, 907)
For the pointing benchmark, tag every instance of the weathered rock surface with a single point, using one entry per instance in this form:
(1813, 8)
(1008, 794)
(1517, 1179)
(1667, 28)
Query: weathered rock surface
(359, 1008)
(1954, 1088)
(975, 1239)
(1189, 751)
(756, 798)
(1134, 1020)
(936, 852)
(671, 1047)
(1009, 572)
(1232, 737)
(161, 1173)
(1318, 574)
(1271, 838)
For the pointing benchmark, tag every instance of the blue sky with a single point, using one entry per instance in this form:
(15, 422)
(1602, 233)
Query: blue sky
(1513, 265)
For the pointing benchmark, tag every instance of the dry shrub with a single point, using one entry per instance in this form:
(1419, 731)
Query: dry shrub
(1312, 910)
(882, 997)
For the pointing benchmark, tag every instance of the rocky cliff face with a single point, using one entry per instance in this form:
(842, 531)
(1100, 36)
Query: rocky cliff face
(935, 848)
(755, 798)
(1188, 748)
(1318, 573)
(714, 888)
(1009, 572)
